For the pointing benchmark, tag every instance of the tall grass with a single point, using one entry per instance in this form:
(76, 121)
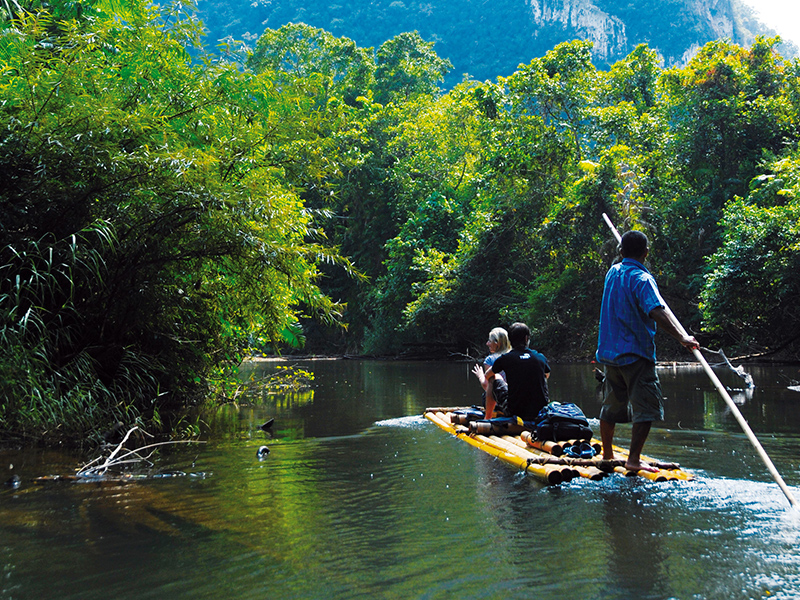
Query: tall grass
(52, 385)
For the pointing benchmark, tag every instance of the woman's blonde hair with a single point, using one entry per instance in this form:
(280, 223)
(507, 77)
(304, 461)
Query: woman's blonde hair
(499, 336)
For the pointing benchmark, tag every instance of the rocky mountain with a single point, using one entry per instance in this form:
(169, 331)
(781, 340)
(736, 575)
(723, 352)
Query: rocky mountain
(489, 38)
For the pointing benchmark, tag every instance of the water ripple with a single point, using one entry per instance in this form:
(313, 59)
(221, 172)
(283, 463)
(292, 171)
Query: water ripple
(413, 421)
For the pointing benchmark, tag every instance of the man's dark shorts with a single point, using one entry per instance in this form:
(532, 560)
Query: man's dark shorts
(632, 393)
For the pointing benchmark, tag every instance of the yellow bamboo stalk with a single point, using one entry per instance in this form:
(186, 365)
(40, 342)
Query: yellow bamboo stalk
(589, 472)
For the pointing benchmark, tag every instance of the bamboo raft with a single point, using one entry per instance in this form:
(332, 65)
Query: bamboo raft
(546, 461)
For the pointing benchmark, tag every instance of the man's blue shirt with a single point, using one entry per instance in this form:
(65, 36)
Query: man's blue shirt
(626, 329)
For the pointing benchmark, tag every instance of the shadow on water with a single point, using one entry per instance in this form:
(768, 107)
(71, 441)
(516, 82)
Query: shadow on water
(361, 497)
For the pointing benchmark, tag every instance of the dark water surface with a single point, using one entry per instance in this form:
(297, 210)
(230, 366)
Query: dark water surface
(361, 497)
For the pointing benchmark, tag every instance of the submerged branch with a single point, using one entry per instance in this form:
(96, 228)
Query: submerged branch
(130, 457)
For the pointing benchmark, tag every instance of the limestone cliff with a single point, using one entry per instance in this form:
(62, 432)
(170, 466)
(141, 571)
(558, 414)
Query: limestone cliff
(676, 28)
(584, 20)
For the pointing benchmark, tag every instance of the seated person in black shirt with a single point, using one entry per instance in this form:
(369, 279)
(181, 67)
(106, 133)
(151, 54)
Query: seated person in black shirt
(526, 373)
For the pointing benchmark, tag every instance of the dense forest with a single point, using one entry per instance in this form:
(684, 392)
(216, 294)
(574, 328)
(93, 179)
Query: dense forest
(165, 211)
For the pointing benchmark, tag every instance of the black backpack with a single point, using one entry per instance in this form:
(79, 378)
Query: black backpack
(559, 422)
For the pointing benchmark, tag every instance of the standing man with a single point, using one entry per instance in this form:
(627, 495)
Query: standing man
(526, 373)
(632, 307)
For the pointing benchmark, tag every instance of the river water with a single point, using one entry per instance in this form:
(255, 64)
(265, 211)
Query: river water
(360, 497)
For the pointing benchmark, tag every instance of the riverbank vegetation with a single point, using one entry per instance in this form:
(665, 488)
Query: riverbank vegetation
(166, 211)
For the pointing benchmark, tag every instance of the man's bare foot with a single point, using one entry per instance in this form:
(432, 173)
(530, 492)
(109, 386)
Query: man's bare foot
(608, 454)
(640, 466)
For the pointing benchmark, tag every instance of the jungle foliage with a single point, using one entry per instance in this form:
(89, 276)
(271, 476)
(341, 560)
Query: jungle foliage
(149, 233)
(165, 211)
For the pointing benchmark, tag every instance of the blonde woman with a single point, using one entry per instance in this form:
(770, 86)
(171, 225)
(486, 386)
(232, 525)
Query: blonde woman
(498, 345)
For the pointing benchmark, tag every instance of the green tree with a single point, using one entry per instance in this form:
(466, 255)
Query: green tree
(727, 109)
(436, 152)
(407, 66)
(149, 234)
(358, 186)
(634, 79)
(503, 153)
(750, 292)
(343, 69)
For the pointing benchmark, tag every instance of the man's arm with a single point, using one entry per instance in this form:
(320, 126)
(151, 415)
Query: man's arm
(667, 321)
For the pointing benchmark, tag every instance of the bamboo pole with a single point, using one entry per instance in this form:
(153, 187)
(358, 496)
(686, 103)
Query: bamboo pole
(567, 473)
(676, 473)
(547, 473)
(551, 447)
(540, 472)
(585, 468)
(445, 409)
(728, 400)
(667, 471)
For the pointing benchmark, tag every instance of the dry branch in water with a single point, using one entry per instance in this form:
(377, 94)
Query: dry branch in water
(118, 458)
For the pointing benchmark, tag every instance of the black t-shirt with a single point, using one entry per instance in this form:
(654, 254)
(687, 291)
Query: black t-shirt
(525, 371)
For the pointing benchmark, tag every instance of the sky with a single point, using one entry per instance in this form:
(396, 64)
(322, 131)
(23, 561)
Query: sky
(781, 15)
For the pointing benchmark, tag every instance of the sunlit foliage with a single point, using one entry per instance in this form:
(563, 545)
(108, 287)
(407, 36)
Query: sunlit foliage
(164, 212)
(754, 280)
(147, 229)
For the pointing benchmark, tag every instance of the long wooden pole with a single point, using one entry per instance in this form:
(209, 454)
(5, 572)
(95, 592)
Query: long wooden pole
(728, 400)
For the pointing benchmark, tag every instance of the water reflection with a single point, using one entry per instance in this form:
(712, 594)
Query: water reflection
(635, 558)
